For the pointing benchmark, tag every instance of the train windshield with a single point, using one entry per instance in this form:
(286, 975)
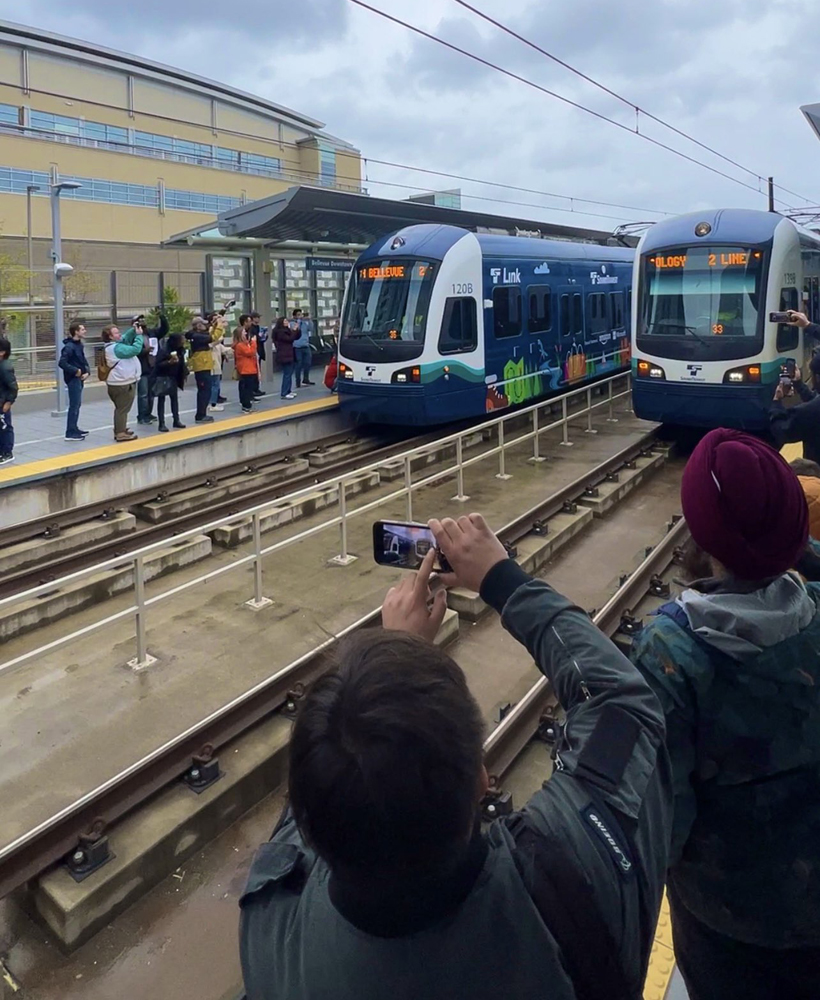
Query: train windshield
(386, 311)
(702, 301)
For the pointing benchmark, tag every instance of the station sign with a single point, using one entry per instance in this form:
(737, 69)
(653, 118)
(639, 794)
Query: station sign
(328, 264)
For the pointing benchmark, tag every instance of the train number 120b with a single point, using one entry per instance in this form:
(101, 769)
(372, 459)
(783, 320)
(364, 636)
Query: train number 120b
(463, 289)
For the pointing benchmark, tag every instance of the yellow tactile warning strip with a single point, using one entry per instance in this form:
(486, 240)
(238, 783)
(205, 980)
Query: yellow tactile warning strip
(662, 960)
(112, 452)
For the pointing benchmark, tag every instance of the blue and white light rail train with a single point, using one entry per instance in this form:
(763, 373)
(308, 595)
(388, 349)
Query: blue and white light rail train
(704, 352)
(440, 323)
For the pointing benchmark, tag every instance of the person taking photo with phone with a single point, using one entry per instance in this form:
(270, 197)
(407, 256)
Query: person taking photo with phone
(379, 880)
(800, 422)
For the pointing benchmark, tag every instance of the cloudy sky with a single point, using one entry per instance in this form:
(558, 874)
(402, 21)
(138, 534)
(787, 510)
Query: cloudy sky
(732, 73)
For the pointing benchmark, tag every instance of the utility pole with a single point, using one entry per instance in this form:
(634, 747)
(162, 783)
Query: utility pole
(771, 194)
(61, 271)
(32, 337)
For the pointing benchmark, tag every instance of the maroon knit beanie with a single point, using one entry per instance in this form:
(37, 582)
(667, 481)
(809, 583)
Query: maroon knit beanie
(744, 505)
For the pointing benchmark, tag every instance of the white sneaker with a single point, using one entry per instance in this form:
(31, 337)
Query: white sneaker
(290, 395)
(216, 408)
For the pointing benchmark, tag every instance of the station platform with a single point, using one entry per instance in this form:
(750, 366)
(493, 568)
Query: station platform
(50, 474)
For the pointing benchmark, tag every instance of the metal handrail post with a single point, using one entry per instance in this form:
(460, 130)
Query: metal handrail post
(144, 658)
(344, 558)
(536, 446)
(461, 497)
(502, 457)
(259, 600)
(590, 429)
(611, 419)
(408, 485)
(566, 443)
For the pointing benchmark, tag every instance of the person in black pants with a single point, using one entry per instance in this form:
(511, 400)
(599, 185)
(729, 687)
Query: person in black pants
(200, 362)
(169, 378)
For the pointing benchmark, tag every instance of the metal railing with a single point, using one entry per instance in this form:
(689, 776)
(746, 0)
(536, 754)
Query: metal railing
(35, 367)
(138, 610)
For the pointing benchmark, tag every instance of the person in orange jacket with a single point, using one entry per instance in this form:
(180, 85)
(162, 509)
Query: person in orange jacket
(246, 361)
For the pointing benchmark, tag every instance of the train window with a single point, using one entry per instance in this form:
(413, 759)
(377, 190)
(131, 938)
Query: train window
(459, 328)
(598, 321)
(565, 317)
(577, 315)
(617, 299)
(788, 336)
(540, 317)
(506, 311)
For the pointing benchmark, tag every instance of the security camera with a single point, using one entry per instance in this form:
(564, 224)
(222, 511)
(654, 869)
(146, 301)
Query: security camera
(63, 270)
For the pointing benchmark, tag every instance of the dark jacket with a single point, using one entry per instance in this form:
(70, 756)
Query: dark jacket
(261, 339)
(487, 930)
(737, 671)
(73, 360)
(283, 338)
(146, 361)
(8, 382)
(171, 364)
(798, 423)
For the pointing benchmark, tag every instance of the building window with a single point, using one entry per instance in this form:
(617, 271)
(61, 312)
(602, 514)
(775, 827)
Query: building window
(506, 312)
(540, 300)
(327, 167)
(254, 163)
(9, 114)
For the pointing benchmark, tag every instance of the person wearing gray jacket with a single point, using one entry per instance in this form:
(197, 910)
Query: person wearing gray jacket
(379, 882)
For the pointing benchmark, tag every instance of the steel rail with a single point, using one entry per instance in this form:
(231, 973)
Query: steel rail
(513, 733)
(52, 839)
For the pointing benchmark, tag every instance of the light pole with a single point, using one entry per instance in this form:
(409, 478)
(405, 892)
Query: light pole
(61, 270)
(30, 189)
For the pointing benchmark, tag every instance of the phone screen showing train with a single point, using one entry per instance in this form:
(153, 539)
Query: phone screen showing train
(404, 545)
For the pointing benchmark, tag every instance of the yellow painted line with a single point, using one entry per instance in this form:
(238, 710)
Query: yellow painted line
(662, 960)
(129, 449)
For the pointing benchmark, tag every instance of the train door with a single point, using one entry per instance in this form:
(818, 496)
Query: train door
(503, 340)
(572, 351)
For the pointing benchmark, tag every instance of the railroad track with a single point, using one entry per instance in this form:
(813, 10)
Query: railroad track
(145, 534)
(52, 839)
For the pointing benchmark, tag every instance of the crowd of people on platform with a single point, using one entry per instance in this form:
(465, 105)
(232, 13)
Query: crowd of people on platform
(153, 366)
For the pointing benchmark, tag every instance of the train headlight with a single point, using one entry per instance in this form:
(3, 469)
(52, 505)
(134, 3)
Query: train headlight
(407, 375)
(345, 371)
(648, 370)
(749, 374)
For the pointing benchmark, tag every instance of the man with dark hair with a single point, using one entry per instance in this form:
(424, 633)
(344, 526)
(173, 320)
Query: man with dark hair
(261, 334)
(378, 881)
(75, 370)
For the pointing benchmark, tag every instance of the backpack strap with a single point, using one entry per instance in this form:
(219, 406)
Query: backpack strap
(568, 904)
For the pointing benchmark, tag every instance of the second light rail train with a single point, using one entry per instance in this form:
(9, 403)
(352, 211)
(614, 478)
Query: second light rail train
(705, 351)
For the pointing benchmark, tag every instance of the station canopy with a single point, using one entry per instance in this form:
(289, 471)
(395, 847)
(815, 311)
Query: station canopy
(319, 215)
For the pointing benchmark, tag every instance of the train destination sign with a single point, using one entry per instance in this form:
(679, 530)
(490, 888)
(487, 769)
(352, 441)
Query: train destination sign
(720, 258)
(386, 272)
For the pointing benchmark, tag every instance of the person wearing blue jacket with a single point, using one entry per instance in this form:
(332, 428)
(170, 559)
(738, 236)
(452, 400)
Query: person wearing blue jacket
(74, 366)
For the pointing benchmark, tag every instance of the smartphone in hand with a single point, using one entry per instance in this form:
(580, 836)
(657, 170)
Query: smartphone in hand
(404, 545)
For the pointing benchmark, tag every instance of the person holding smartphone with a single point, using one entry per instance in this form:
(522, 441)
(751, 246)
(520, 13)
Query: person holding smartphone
(801, 422)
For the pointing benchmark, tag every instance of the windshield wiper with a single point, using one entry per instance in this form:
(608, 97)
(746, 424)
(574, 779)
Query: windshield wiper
(680, 326)
(361, 335)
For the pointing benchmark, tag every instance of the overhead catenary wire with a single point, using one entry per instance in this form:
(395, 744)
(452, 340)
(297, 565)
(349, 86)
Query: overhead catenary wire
(560, 97)
(619, 97)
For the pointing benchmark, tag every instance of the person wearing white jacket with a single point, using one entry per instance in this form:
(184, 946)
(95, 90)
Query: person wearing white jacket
(122, 361)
